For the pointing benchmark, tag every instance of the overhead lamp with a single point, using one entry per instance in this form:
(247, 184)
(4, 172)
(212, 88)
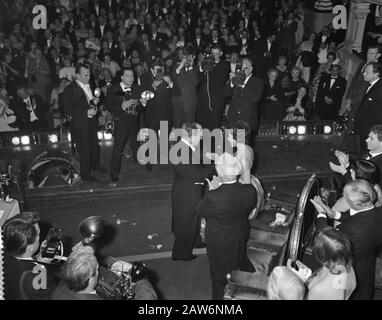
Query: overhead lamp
(107, 136)
(327, 129)
(100, 135)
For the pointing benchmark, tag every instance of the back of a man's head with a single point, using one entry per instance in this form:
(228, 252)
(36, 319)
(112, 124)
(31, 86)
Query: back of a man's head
(283, 284)
(359, 194)
(80, 267)
(19, 232)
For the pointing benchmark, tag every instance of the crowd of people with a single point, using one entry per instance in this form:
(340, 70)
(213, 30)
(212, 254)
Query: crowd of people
(291, 66)
(196, 65)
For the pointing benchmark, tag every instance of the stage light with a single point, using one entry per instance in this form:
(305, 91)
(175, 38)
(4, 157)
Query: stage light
(100, 135)
(15, 141)
(301, 129)
(327, 129)
(69, 137)
(107, 136)
(292, 130)
(25, 140)
(53, 138)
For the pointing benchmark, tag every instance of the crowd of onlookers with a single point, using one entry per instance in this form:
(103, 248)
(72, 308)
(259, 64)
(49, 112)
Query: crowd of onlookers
(297, 65)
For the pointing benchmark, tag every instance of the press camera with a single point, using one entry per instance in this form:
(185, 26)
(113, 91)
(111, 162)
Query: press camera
(208, 61)
(52, 245)
(239, 77)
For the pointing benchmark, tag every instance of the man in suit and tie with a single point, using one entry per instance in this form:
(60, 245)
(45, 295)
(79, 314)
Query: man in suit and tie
(187, 190)
(329, 94)
(80, 104)
(245, 97)
(122, 101)
(362, 226)
(211, 101)
(30, 111)
(358, 85)
(198, 41)
(266, 53)
(369, 111)
(102, 27)
(374, 154)
(226, 208)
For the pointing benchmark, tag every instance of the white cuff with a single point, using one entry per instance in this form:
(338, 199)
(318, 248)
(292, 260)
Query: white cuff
(321, 215)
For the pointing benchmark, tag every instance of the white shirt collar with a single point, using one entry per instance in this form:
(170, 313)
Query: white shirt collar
(375, 154)
(354, 212)
(189, 144)
(124, 87)
(230, 182)
(373, 83)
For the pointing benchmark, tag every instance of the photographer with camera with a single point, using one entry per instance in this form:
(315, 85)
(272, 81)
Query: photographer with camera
(159, 108)
(246, 90)
(213, 74)
(123, 100)
(186, 79)
(26, 277)
(81, 278)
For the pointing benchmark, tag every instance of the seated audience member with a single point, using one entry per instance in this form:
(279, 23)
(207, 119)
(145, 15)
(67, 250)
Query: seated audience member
(374, 146)
(364, 170)
(272, 108)
(363, 228)
(80, 278)
(283, 284)
(298, 105)
(292, 82)
(7, 117)
(335, 280)
(21, 236)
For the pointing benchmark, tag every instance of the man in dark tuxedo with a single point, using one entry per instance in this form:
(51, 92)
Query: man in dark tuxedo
(81, 105)
(362, 226)
(21, 267)
(121, 53)
(94, 7)
(323, 37)
(369, 111)
(215, 40)
(102, 27)
(266, 53)
(198, 41)
(374, 154)
(142, 27)
(226, 208)
(211, 101)
(122, 101)
(147, 49)
(245, 97)
(30, 111)
(187, 190)
(329, 94)
(358, 85)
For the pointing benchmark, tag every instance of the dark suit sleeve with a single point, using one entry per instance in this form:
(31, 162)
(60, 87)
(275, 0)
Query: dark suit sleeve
(194, 171)
(352, 234)
(112, 103)
(207, 207)
(258, 90)
(72, 103)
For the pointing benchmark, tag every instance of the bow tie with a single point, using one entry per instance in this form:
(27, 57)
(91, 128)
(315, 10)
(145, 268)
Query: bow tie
(125, 89)
(333, 77)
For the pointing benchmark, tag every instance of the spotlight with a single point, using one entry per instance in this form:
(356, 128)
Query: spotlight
(107, 136)
(100, 135)
(301, 129)
(292, 130)
(53, 138)
(69, 137)
(327, 129)
(16, 141)
(25, 140)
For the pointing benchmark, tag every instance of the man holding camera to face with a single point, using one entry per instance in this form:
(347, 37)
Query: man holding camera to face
(211, 101)
(123, 100)
(246, 91)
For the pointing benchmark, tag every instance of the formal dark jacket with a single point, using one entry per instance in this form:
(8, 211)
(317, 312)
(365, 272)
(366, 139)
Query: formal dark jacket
(211, 100)
(160, 107)
(83, 128)
(23, 114)
(18, 280)
(369, 112)
(187, 190)
(364, 232)
(226, 210)
(329, 111)
(244, 103)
